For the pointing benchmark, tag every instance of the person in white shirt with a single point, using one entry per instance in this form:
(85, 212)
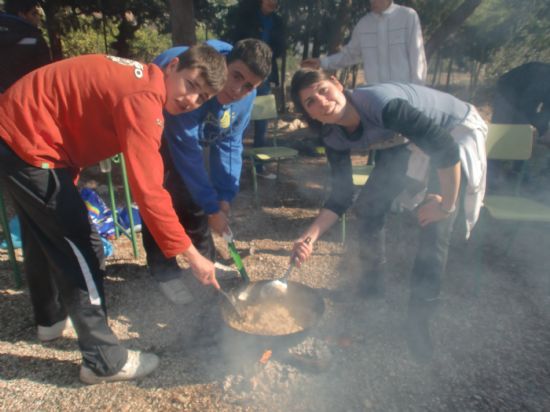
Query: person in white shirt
(388, 40)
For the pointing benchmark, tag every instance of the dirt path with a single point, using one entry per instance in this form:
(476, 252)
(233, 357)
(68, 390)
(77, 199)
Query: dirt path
(492, 349)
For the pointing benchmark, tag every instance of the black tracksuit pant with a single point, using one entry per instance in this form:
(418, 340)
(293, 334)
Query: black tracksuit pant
(64, 262)
(191, 217)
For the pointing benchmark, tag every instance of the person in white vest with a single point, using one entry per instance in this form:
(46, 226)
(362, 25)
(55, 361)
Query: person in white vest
(388, 41)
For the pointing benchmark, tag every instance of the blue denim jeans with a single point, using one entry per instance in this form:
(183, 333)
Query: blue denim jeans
(388, 179)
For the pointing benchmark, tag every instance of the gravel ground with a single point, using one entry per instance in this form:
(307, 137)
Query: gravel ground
(492, 340)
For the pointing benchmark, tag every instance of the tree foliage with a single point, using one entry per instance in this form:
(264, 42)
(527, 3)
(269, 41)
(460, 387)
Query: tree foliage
(66, 18)
(498, 35)
(507, 35)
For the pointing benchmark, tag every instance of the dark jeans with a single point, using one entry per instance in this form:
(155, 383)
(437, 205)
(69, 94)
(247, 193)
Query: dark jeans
(260, 126)
(387, 180)
(192, 218)
(64, 262)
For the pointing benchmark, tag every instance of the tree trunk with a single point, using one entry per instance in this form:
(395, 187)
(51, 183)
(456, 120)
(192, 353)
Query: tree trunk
(450, 25)
(52, 27)
(449, 73)
(307, 31)
(182, 18)
(474, 76)
(305, 41)
(126, 32)
(282, 99)
(316, 50)
(338, 33)
(436, 68)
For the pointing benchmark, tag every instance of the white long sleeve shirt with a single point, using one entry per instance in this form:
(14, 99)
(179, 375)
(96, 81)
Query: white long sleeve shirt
(390, 45)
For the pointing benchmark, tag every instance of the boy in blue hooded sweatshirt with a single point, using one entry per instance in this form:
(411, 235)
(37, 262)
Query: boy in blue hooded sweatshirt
(202, 152)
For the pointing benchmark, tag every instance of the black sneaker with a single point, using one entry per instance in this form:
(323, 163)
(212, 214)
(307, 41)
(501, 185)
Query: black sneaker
(268, 176)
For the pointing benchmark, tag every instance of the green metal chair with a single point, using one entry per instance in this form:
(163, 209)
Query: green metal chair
(509, 142)
(11, 250)
(513, 142)
(265, 108)
(106, 167)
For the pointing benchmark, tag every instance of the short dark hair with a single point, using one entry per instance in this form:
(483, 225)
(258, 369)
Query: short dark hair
(20, 6)
(210, 63)
(302, 79)
(255, 54)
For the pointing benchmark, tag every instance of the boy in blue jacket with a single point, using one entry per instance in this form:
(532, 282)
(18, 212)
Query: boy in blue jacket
(202, 152)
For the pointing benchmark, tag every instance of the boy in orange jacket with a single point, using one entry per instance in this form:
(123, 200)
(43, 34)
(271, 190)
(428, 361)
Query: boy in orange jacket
(70, 115)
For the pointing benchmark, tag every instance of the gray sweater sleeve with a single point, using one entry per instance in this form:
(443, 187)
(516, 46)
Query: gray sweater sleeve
(398, 115)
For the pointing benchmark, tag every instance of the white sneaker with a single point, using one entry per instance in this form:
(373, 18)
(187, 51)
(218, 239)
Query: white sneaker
(138, 365)
(268, 176)
(176, 292)
(224, 272)
(49, 333)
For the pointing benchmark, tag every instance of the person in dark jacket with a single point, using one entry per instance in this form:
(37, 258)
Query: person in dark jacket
(21, 41)
(437, 169)
(258, 19)
(523, 96)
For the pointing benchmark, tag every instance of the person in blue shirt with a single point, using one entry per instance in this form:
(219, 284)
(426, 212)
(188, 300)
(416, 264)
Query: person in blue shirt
(202, 152)
(259, 19)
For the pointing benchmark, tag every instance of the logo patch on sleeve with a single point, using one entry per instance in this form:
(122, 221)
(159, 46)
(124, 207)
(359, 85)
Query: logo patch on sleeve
(138, 67)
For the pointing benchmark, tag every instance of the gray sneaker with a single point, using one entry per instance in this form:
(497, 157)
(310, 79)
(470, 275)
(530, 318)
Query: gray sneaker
(267, 176)
(176, 292)
(138, 365)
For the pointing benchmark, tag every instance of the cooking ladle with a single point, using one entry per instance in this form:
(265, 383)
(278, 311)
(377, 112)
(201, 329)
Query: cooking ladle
(233, 301)
(279, 287)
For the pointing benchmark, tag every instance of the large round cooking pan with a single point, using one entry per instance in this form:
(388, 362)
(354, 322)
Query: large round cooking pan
(299, 299)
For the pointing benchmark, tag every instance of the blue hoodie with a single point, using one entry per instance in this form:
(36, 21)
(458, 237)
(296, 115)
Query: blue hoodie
(219, 127)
